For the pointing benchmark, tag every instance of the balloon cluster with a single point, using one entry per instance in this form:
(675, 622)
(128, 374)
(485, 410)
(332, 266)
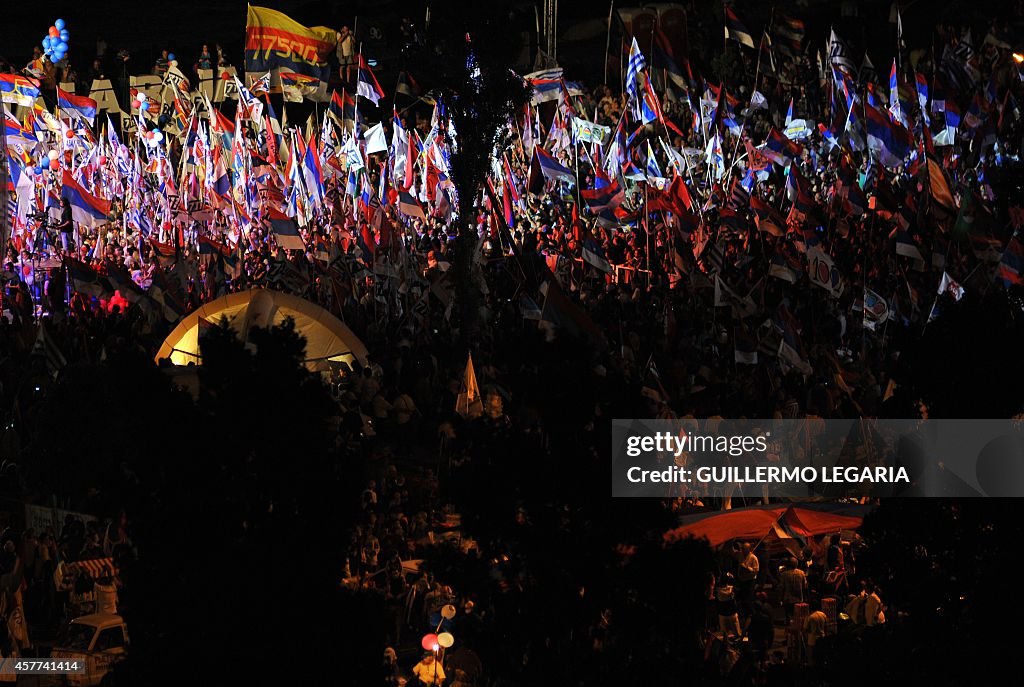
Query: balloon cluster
(55, 43)
(140, 102)
(51, 161)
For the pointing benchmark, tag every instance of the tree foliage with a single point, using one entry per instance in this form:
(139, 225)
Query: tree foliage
(468, 59)
(236, 503)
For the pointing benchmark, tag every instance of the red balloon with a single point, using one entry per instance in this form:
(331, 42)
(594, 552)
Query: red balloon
(429, 642)
(225, 76)
(54, 32)
(70, 133)
(103, 159)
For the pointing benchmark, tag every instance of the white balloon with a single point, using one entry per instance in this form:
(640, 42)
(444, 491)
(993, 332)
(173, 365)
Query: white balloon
(53, 155)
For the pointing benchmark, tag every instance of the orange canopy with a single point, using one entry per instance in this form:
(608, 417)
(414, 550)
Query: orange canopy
(754, 523)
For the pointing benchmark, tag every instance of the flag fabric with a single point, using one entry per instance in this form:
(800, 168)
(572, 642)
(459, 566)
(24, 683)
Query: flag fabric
(607, 197)
(86, 209)
(940, 190)
(77, 105)
(408, 205)
(791, 33)
(589, 132)
(839, 54)
(780, 269)
(735, 29)
(407, 85)
(343, 108)
(1011, 265)
(274, 40)
(546, 85)
(366, 85)
(296, 86)
(822, 272)
(85, 280)
(894, 94)
(551, 168)
(375, 141)
(767, 218)
(312, 172)
(868, 73)
(635, 65)
(890, 141)
(905, 245)
(469, 404)
(18, 90)
(746, 346)
(779, 148)
(593, 255)
(260, 84)
(46, 348)
(947, 285)
(285, 230)
(876, 309)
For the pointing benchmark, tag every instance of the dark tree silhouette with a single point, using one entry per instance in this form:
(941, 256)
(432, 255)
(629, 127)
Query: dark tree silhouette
(236, 503)
(467, 60)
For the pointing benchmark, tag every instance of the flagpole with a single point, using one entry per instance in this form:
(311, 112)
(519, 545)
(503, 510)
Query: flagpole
(355, 106)
(757, 72)
(608, 43)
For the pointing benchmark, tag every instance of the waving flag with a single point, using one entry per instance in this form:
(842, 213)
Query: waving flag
(285, 231)
(1011, 265)
(407, 85)
(779, 149)
(635, 65)
(77, 105)
(594, 256)
(894, 94)
(550, 168)
(86, 209)
(767, 218)
(735, 29)
(606, 197)
(312, 172)
(839, 54)
(260, 85)
(547, 84)
(296, 86)
(20, 90)
(367, 86)
(890, 141)
(409, 206)
(16, 133)
(273, 39)
(343, 108)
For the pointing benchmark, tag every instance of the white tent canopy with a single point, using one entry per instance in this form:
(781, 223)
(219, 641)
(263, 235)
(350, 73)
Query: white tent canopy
(327, 337)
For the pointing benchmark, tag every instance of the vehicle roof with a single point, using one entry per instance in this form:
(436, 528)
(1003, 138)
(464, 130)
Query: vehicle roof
(102, 620)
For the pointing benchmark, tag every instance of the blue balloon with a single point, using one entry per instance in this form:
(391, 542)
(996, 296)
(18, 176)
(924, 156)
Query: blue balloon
(64, 35)
(38, 169)
(144, 106)
(59, 24)
(171, 57)
(46, 41)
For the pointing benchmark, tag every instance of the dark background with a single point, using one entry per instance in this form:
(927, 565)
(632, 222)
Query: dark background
(147, 28)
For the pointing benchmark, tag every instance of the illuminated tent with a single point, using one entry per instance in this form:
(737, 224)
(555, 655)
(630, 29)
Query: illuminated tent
(780, 522)
(328, 340)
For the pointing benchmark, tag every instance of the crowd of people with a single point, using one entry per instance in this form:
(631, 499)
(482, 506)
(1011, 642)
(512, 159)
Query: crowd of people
(681, 255)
